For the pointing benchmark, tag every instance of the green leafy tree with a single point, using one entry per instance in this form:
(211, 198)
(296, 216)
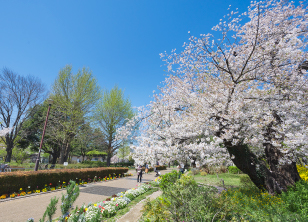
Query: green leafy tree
(74, 97)
(32, 129)
(123, 152)
(19, 155)
(95, 153)
(112, 112)
(88, 139)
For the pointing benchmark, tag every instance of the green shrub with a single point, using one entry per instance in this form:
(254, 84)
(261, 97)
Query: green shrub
(203, 173)
(296, 199)
(234, 170)
(188, 201)
(182, 200)
(252, 204)
(151, 169)
(168, 179)
(160, 167)
(156, 210)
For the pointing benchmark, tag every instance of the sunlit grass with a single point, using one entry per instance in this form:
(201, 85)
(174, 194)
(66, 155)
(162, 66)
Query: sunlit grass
(230, 180)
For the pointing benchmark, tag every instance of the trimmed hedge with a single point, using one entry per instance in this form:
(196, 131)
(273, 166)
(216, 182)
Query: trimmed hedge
(12, 181)
(161, 167)
(151, 169)
(104, 164)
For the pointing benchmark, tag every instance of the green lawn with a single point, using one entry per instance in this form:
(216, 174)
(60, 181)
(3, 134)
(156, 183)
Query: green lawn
(230, 180)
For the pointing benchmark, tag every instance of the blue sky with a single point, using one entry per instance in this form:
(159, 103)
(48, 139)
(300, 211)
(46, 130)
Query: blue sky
(119, 41)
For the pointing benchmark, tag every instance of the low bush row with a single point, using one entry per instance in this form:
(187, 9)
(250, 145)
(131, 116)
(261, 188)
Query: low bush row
(151, 169)
(160, 167)
(102, 164)
(11, 182)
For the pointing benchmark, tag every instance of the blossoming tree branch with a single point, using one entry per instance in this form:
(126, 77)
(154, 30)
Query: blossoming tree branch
(240, 97)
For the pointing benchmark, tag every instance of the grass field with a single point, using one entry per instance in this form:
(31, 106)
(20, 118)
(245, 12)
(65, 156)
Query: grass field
(230, 180)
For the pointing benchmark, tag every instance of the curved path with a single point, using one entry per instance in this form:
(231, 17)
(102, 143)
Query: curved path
(20, 209)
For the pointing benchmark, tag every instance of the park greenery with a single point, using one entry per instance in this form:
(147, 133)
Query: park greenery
(235, 96)
(82, 121)
(186, 200)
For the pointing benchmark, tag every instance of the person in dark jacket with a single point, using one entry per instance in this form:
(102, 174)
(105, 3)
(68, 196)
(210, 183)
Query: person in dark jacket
(139, 174)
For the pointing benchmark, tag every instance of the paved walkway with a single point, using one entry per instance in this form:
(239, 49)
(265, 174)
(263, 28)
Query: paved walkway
(20, 209)
(135, 213)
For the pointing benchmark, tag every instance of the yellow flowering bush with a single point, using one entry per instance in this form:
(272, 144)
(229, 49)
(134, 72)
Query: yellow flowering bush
(303, 172)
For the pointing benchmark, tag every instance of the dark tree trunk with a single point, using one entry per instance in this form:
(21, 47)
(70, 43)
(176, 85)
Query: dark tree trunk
(9, 147)
(54, 158)
(108, 158)
(61, 158)
(8, 155)
(274, 180)
(67, 152)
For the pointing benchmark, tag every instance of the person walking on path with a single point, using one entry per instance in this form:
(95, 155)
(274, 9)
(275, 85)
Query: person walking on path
(146, 168)
(181, 169)
(139, 174)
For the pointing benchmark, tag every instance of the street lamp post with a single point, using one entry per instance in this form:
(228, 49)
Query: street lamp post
(50, 101)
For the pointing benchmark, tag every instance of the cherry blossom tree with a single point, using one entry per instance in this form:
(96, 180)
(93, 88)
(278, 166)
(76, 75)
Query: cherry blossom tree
(239, 95)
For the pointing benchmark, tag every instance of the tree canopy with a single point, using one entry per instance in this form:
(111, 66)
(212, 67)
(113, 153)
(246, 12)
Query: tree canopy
(74, 97)
(239, 97)
(112, 112)
(17, 95)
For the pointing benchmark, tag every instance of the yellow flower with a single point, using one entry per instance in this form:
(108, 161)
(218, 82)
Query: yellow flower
(85, 209)
(20, 189)
(95, 205)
